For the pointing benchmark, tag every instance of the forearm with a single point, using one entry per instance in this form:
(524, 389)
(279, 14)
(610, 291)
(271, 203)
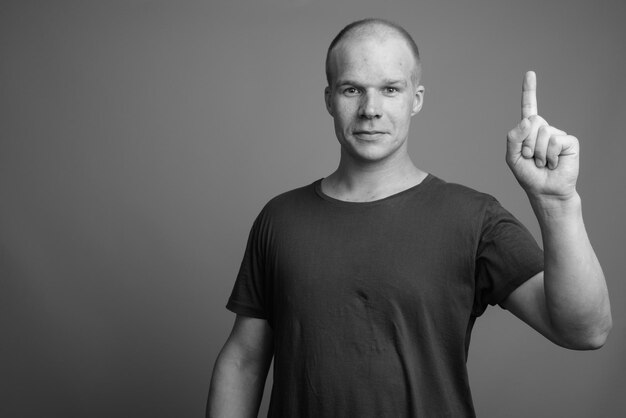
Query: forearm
(576, 295)
(236, 387)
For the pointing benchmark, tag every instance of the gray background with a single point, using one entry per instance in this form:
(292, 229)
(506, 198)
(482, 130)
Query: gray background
(139, 139)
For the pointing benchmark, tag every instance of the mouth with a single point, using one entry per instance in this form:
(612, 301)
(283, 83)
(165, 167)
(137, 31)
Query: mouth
(368, 135)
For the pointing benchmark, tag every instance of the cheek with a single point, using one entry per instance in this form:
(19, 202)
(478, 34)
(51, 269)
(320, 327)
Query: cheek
(400, 114)
(344, 114)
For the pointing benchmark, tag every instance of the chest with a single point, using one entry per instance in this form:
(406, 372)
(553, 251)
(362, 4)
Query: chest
(379, 263)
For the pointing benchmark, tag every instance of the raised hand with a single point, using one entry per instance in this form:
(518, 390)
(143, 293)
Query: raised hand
(543, 159)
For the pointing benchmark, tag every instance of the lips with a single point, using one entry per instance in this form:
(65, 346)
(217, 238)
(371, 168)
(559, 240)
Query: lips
(367, 134)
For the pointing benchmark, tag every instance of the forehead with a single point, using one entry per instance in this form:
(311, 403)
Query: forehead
(373, 57)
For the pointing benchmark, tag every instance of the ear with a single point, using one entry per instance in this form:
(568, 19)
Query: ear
(327, 100)
(418, 100)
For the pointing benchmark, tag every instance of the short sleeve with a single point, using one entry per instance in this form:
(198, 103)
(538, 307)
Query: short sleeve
(249, 294)
(507, 256)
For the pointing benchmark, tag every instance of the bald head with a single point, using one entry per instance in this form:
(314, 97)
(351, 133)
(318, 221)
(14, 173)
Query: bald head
(377, 29)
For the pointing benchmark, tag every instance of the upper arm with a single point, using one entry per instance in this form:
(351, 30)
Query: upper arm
(250, 341)
(528, 303)
(241, 369)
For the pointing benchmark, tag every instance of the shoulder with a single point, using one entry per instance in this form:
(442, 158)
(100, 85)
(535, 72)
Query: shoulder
(480, 209)
(297, 197)
(287, 212)
(290, 204)
(462, 206)
(456, 195)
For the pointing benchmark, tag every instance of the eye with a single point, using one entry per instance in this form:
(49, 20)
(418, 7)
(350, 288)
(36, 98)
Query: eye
(350, 91)
(391, 90)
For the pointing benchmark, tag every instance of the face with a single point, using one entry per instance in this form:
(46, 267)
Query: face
(373, 97)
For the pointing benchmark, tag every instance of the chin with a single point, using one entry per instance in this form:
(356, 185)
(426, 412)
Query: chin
(371, 151)
(370, 154)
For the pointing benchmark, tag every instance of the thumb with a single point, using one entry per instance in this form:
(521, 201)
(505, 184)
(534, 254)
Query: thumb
(516, 137)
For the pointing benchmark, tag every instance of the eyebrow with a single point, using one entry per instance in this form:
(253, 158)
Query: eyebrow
(345, 82)
(387, 82)
(395, 82)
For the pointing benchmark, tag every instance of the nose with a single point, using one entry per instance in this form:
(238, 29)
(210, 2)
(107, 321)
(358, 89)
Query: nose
(370, 106)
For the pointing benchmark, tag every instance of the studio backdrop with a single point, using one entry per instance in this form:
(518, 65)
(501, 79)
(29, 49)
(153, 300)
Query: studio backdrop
(140, 138)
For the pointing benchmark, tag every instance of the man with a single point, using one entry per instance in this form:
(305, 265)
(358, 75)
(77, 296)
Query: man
(365, 285)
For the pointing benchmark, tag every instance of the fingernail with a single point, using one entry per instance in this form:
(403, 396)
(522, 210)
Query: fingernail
(539, 163)
(527, 152)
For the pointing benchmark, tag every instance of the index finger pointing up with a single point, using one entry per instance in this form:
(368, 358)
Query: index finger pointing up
(529, 95)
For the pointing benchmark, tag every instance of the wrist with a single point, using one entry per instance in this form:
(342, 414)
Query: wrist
(556, 207)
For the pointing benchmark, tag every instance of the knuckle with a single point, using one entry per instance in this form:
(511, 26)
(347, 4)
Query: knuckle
(537, 120)
(511, 135)
(540, 152)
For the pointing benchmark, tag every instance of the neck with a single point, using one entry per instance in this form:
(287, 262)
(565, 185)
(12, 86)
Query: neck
(361, 181)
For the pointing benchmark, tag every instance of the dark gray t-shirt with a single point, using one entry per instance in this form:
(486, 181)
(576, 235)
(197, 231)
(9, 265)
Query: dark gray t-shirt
(372, 303)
